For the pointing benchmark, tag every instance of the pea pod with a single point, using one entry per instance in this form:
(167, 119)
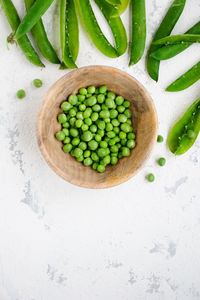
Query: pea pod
(170, 51)
(116, 26)
(138, 30)
(164, 29)
(94, 31)
(184, 133)
(40, 36)
(32, 17)
(118, 9)
(176, 39)
(68, 33)
(185, 80)
(24, 43)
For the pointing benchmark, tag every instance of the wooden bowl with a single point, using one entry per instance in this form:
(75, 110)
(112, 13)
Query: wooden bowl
(144, 120)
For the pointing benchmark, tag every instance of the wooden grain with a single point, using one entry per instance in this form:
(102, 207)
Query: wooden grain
(144, 120)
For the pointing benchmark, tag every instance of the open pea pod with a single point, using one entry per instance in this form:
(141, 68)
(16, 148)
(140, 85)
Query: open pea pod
(185, 131)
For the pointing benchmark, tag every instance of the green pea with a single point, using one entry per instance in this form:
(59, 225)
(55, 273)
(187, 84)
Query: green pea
(101, 125)
(113, 160)
(111, 95)
(78, 152)
(82, 91)
(96, 107)
(104, 107)
(84, 127)
(82, 107)
(106, 160)
(94, 156)
(111, 134)
(87, 136)
(67, 148)
(66, 131)
(121, 109)
(103, 144)
(93, 145)
(103, 89)
(127, 113)
(87, 113)
(125, 127)
(150, 177)
(160, 139)
(91, 89)
(100, 132)
(88, 161)
(83, 146)
(107, 120)
(88, 95)
(37, 83)
(66, 125)
(75, 141)
(79, 115)
(73, 99)
(91, 101)
(162, 161)
(21, 94)
(110, 102)
(125, 151)
(120, 155)
(100, 98)
(101, 168)
(114, 148)
(107, 139)
(111, 142)
(122, 118)
(114, 154)
(93, 128)
(72, 112)
(73, 132)
(60, 135)
(130, 144)
(72, 121)
(96, 91)
(109, 127)
(80, 158)
(131, 136)
(122, 135)
(81, 98)
(126, 104)
(101, 152)
(65, 106)
(62, 118)
(115, 122)
(88, 121)
(113, 113)
(191, 134)
(94, 116)
(119, 100)
(123, 142)
(79, 123)
(104, 114)
(116, 139)
(86, 153)
(97, 137)
(95, 165)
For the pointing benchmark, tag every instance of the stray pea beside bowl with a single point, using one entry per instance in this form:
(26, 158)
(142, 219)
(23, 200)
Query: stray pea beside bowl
(144, 120)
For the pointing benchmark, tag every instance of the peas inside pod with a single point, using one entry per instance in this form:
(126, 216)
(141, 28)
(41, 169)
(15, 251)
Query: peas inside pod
(96, 127)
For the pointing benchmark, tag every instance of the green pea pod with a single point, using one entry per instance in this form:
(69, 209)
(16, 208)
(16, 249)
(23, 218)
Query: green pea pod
(32, 17)
(185, 80)
(164, 29)
(116, 26)
(138, 31)
(176, 39)
(184, 133)
(94, 31)
(118, 9)
(170, 51)
(40, 36)
(67, 21)
(24, 43)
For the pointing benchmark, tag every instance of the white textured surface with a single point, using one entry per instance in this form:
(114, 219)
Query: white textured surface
(136, 241)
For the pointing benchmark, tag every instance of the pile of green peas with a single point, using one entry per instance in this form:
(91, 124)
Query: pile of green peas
(96, 127)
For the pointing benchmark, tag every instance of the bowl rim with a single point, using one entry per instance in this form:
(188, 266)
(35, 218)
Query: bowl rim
(41, 112)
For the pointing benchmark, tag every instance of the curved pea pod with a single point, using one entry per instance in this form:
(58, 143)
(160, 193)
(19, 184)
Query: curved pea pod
(164, 29)
(69, 35)
(138, 31)
(185, 80)
(176, 39)
(170, 51)
(116, 26)
(92, 28)
(32, 17)
(40, 36)
(118, 9)
(24, 43)
(185, 131)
